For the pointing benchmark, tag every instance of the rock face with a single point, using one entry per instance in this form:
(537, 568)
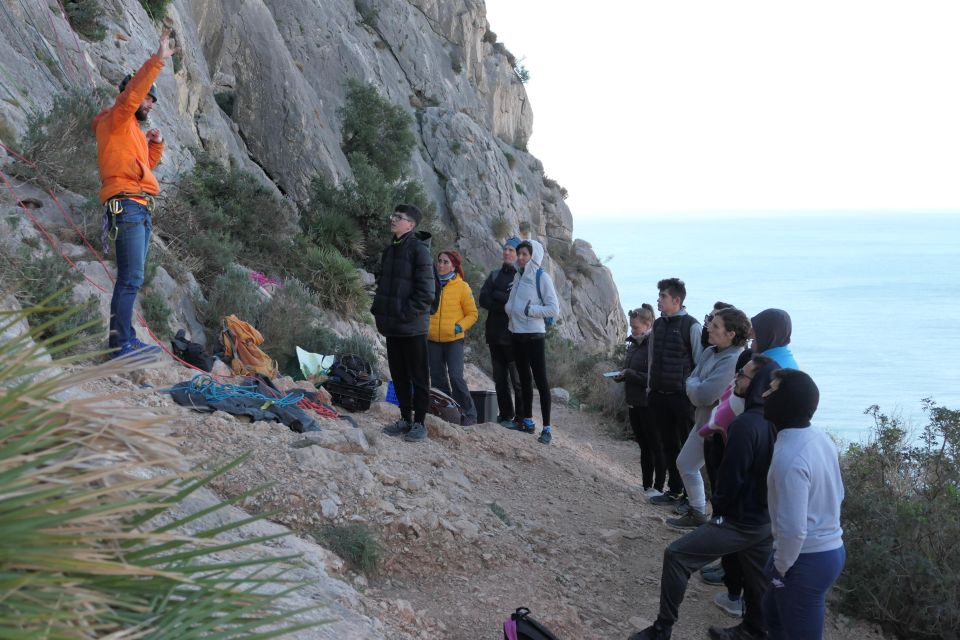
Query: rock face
(280, 68)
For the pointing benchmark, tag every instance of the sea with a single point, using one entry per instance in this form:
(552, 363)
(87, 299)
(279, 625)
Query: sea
(874, 298)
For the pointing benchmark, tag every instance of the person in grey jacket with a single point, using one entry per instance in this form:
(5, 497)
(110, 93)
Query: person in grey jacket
(804, 493)
(528, 307)
(727, 334)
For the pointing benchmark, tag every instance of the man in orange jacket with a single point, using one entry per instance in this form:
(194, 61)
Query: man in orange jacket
(126, 157)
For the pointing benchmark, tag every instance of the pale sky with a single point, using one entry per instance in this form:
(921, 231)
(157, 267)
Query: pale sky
(742, 106)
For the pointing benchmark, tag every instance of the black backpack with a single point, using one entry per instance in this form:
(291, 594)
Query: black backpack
(352, 370)
(520, 626)
(191, 352)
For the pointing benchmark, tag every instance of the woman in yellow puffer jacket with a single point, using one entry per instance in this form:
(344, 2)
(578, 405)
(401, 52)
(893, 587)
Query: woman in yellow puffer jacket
(455, 315)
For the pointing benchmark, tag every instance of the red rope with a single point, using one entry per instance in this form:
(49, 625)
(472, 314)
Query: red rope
(79, 48)
(320, 409)
(60, 49)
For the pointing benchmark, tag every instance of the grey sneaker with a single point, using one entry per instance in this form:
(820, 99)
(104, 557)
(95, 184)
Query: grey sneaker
(417, 433)
(730, 606)
(398, 428)
(690, 520)
(682, 508)
(545, 437)
(666, 499)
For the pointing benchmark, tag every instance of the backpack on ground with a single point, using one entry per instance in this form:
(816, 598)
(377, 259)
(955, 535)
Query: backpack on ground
(520, 626)
(191, 352)
(445, 407)
(547, 322)
(352, 383)
(241, 349)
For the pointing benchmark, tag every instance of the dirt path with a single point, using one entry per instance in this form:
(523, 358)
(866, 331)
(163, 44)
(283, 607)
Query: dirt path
(475, 522)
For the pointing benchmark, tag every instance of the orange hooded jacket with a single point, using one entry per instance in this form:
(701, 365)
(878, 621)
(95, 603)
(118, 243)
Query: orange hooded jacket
(124, 156)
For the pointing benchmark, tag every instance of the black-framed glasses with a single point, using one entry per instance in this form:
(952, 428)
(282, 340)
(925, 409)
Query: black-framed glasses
(399, 216)
(741, 374)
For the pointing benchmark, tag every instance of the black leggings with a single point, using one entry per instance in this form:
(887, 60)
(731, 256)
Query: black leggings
(407, 357)
(530, 351)
(653, 467)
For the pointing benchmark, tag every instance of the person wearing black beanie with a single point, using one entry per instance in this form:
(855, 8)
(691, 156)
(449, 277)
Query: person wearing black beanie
(804, 493)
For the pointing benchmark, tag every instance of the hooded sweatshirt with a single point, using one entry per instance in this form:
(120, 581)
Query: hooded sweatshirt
(804, 485)
(741, 492)
(524, 319)
(772, 328)
(125, 158)
(710, 377)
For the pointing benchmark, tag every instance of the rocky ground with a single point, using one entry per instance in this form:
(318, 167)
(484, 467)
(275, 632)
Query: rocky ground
(473, 523)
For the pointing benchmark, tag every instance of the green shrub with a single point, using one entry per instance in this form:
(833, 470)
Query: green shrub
(333, 277)
(225, 100)
(61, 144)
(902, 497)
(355, 543)
(568, 366)
(501, 513)
(286, 321)
(156, 313)
(224, 215)
(156, 9)
(358, 345)
(378, 129)
(501, 228)
(232, 293)
(368, 12)
(46, 284)
(84, 17)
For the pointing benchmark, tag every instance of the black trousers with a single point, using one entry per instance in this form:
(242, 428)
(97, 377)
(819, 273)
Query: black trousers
(531, 357)
(713, 448)
(653, 467)
(506, 380)
(673, 416)
(719, 537)
(409, 367)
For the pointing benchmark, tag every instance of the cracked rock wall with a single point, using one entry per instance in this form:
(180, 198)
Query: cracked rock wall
(283, 63)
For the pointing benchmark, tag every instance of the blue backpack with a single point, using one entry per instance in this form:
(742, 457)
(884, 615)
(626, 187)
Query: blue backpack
(547, 322)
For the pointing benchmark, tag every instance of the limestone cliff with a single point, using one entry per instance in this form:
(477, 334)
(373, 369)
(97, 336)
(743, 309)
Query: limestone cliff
(282, 65)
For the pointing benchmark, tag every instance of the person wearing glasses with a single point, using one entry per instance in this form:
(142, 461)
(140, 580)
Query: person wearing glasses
(740, 523)
(455, 314)
(636, 377)
(405, 297)
(533, 298)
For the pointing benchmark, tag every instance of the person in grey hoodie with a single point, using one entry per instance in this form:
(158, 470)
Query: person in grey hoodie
(804, 492)
(533, 299)
(727, 334)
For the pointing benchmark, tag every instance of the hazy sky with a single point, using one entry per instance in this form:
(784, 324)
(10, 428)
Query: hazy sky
(643, 106)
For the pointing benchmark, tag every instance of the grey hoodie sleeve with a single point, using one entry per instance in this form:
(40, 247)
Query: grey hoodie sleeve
(695, 342)
(551, 303)
(707, 383)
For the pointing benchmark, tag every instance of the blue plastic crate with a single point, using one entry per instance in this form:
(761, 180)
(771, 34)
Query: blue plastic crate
(391, 394)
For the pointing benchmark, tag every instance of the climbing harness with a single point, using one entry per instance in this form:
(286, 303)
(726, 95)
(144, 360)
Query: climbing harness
(113, 208)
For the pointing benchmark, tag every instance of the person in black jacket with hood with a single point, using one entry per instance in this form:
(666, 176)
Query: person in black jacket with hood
(740, 522)
(493, 297)
(405, 297)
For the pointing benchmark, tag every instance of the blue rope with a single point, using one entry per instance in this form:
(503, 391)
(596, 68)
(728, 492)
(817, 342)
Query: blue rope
(213, 391)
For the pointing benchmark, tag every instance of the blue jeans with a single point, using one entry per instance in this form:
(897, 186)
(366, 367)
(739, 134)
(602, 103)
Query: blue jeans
(133, 238)
(795, 611)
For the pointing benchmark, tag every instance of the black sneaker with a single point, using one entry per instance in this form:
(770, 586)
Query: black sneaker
(545, 437)
(655, 632)
(399, 428)
(714, 576)
(683, 507)
(690, 520)
(417, 433)
(667, 500)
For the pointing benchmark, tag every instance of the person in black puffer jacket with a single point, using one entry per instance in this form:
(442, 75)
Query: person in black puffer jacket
(635, 376)
(493, 297)
(405, 298)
